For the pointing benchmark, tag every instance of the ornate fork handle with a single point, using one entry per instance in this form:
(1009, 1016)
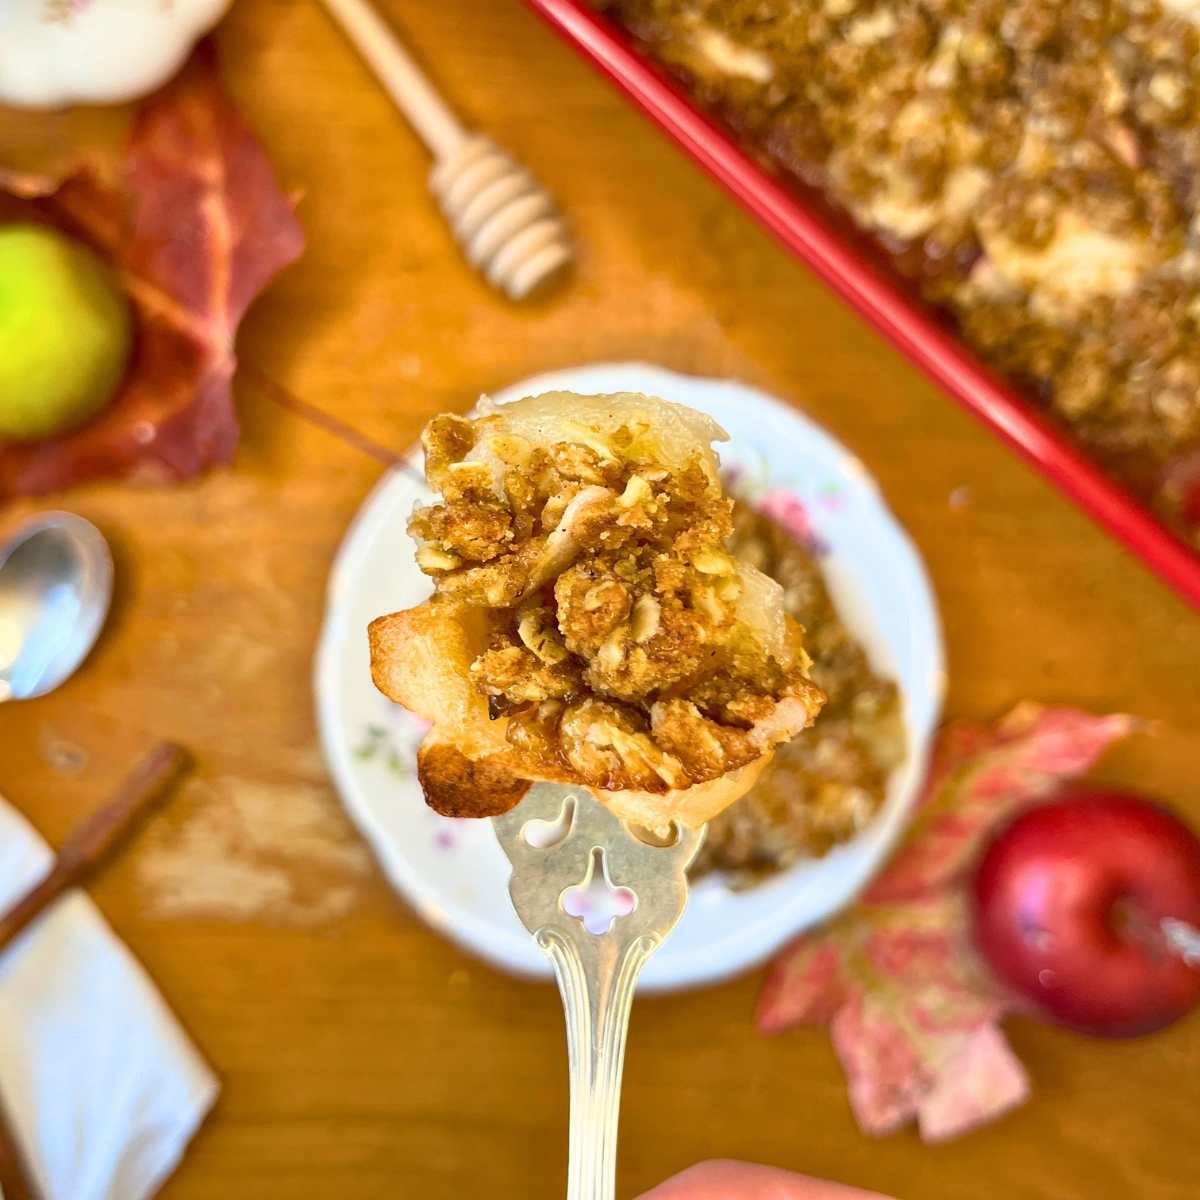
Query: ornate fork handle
(596, 973)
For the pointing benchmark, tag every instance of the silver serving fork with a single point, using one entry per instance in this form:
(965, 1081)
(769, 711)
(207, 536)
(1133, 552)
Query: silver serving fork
(557, 839)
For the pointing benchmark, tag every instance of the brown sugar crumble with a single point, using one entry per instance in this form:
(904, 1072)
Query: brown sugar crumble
(827, 783)
(622, 645)
(1032, 167)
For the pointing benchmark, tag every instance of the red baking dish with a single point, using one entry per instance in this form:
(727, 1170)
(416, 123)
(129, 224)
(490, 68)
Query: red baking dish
(806, 227)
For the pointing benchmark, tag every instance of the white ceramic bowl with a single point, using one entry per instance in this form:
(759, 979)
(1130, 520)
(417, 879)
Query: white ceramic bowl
(55, 52)
(453, 872)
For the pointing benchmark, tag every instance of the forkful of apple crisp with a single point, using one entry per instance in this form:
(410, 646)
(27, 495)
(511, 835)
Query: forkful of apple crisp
(601, 677)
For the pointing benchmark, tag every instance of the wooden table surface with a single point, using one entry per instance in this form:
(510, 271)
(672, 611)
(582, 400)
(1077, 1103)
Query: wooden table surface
(362, 1056)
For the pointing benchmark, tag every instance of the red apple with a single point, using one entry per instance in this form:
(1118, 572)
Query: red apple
(1070, 901)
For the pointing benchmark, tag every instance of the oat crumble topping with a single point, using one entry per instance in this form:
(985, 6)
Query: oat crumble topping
(827, 783)
(622, 644)
(1033, 167)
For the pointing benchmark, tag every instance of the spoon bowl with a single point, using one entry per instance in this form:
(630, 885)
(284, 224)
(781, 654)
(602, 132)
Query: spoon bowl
(55, 590)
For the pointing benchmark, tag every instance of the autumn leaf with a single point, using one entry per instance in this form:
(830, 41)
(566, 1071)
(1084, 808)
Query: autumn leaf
(981, 775)
(196, 225)
(912, 1010)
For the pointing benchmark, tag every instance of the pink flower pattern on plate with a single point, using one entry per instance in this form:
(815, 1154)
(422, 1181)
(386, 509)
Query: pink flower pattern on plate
(62, 11)
(789, 511)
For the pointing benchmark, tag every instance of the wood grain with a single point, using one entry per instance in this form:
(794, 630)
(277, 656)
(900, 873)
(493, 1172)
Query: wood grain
(367, 1058)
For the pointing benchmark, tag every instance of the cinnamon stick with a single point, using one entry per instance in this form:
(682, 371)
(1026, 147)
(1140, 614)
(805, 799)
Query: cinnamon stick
(104, 831)
(16, 1182)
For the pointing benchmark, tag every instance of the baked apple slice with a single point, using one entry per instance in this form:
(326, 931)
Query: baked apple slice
(588, 625)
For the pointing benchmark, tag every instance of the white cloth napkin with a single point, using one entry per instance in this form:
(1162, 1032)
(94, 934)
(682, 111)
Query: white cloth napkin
(101, 1084)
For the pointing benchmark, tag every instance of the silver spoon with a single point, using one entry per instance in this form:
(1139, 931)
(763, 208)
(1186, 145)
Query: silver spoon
(55, 589)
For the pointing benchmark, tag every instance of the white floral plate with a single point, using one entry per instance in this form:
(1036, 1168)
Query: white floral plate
(453, 872)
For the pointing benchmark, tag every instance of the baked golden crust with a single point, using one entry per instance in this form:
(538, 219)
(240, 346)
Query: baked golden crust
(588, 625)
(458, 786)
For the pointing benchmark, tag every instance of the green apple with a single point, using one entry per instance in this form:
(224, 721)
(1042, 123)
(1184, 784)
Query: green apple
(65, 332)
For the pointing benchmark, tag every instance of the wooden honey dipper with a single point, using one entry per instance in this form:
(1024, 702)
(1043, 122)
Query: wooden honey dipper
(503, 219)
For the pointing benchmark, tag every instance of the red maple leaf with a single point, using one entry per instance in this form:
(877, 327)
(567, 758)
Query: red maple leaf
(196, 226)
